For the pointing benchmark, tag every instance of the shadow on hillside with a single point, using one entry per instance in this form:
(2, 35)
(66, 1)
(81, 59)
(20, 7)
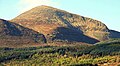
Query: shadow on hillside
(68, 34)
(84, 65)
(71, 33)
(12, 33)
(12, 29)
(114, 34)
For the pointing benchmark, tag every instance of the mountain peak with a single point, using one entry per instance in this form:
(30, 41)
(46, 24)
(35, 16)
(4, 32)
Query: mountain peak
(45, 6)
(62, 24)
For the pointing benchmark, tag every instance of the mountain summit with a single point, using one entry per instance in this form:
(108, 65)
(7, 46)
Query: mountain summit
(59, 25)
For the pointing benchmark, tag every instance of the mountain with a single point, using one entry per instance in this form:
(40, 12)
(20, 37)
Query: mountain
(12, 33)
(114, 34)
(60, 25)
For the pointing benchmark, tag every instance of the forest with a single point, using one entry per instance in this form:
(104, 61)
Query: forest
(79, 55)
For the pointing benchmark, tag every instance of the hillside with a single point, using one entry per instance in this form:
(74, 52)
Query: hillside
(102, 54)
(59, 25)
(114, 34)
(11, 33)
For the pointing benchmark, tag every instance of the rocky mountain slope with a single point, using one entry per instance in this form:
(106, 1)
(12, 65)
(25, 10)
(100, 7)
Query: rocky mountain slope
(59, 25)
(114, 34)
(11, 33)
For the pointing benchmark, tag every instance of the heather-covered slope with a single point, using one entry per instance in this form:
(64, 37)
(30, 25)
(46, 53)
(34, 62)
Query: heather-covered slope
(11, 33)
(49, 21)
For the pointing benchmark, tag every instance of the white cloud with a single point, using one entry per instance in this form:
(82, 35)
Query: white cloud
(25, 5)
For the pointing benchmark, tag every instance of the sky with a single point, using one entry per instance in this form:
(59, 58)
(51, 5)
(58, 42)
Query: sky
(107, 11)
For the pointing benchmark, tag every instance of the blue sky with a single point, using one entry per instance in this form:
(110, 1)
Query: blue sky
(107, 11)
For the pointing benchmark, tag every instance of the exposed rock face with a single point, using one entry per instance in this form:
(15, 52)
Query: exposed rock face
(12, 33)
(57, 24)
